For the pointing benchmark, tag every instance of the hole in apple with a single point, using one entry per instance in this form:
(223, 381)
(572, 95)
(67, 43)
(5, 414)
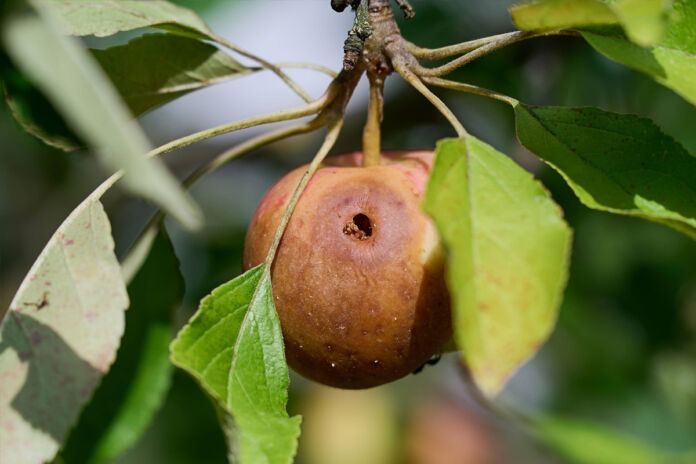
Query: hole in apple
(360, 227)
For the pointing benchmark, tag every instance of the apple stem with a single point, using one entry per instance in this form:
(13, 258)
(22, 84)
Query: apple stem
(372, 137)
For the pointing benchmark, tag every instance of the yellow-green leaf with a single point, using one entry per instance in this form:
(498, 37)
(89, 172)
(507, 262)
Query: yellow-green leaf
(671, 61)
(644, 21)
(508, 256)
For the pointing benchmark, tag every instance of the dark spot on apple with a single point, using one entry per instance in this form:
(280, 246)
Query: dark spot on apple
(360, 227)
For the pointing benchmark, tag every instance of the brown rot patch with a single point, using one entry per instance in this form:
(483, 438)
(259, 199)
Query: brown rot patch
(359, 228)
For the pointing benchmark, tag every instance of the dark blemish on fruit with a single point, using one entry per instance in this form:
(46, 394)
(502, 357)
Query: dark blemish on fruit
(36, 338)
(330, 348)
(360, 227)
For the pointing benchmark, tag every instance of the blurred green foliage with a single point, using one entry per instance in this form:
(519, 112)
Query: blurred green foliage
(624, 352)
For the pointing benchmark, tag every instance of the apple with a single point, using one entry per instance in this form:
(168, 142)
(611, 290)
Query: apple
(358, 279)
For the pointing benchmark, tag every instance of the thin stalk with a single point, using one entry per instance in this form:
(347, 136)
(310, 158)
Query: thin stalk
(372, 137)
(329, 142)
(312, 66)
(456, 49)
(248, 146)
(138, 252)
(469, 88)
(283, 65)
(504, 41)
(275, 69)
(308, 110)
(415, 81)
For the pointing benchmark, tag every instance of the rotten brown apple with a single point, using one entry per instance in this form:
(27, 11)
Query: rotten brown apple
(358, 279)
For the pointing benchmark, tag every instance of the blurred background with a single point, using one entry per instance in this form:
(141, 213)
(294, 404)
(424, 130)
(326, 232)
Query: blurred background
(624, 351)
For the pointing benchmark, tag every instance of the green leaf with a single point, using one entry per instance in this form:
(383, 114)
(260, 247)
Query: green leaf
(135, 387)
(233, 346)
(156, 68)
(182, 66)
(672, 62)
(60, 335)
(644, 21)
(202, 5)
(79, 89)
(588, 443)
(35, 113)
(615, 162)
(555, 14)
(107, 17)
(508, 256)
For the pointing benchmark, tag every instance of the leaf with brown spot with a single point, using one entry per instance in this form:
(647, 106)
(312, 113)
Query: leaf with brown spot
(60, 335)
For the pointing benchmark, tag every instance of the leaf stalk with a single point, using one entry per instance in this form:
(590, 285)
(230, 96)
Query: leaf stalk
(469, 88)
(274, 68)
(412, 78)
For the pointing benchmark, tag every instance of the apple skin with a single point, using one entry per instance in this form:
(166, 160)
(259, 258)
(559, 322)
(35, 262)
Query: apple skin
(359, 305)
